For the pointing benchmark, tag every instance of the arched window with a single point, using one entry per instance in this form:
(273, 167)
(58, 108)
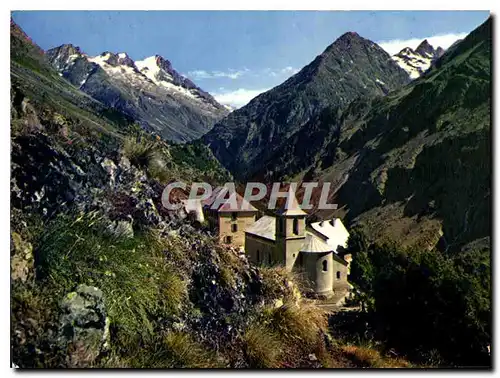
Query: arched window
(229, 239)
(295, 226)
(338, 275)
(234, 227)
(325, 266)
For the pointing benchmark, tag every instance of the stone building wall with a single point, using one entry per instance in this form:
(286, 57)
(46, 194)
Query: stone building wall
(339, 284)
(260, 250)
(227, 222)
(315, 265)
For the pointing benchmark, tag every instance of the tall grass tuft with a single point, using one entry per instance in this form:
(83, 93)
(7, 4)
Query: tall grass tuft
(262, 346)
(369, 357)
(301, 324)
(139, 151)
(146, 154)
(137, 283)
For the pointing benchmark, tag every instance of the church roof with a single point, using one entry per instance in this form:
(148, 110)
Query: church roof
(264, 227)
(226, 206)
(333, 232)
(291, 206)
(313, 244)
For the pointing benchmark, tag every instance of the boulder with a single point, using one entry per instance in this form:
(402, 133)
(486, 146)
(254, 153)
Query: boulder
(110, 167)
(21, 260)
(84, 326)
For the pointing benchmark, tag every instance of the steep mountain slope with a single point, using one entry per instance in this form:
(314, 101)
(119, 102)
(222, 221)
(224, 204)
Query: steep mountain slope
(149, 91)
(33, 78)
(415, 165)
(416, 62)
(349, 68)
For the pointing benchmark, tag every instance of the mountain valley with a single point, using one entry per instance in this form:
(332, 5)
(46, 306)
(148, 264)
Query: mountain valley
(104, 276)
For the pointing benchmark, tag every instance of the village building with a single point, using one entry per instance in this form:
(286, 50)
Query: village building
(318, 250)
(230, 222)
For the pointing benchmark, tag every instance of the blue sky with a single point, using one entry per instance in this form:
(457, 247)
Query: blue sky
(236, 55)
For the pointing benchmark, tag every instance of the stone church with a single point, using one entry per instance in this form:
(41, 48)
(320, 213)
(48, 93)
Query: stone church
(317, 249)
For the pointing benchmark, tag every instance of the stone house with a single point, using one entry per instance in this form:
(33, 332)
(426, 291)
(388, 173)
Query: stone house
(230, 222)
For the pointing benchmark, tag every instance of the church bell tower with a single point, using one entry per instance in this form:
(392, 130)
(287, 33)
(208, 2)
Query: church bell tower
(290, 230)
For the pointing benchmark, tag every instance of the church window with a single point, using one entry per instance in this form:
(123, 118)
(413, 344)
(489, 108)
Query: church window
(258, 256)
(234, 215)
(338, 275)
(325, 266)
(234, 227)
(296, 226)
(229, 239)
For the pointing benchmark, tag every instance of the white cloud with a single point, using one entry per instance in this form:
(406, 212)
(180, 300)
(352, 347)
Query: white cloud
(239, 97)
(289, 70)
(202, 74)
(236, 74)
(444, 41)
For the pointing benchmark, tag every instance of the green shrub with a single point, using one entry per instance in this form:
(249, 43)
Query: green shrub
(427, 302)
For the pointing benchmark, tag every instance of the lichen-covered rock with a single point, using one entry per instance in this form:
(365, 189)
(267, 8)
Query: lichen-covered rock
(84, 326)
(121, 229)
(21, 260)
(110, 167)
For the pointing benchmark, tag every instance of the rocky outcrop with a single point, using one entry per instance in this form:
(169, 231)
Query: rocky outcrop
(84, 326)
(21, 258)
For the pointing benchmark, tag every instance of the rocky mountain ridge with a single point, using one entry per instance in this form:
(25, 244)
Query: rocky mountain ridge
(150, 91)
(416, 62)
(398, 160)
(349, 68)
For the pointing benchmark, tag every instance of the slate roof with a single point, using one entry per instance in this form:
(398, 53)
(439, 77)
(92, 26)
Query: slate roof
(313, 244)
(333, 231)
(264, 227)
(241, 203)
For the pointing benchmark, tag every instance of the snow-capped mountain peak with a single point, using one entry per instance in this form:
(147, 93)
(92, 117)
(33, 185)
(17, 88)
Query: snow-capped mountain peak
(425, 49)
(160, 71)
(154, 70)
(151, 68)
(416, 62)
(150, 90)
